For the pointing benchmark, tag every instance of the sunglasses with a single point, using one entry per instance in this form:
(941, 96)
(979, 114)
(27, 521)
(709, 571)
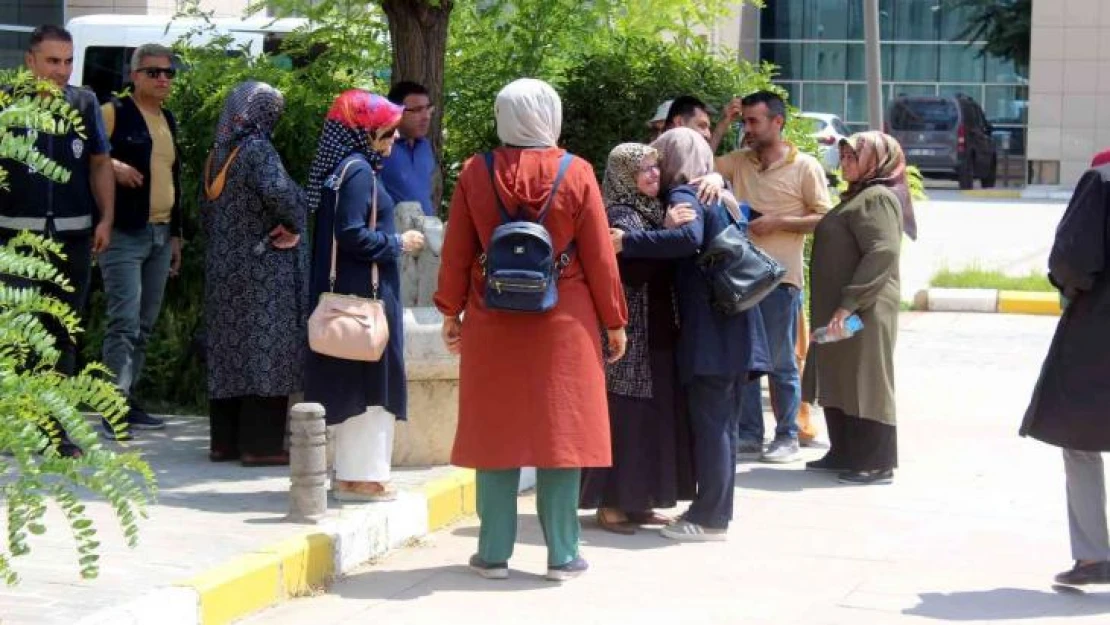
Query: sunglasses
(155, 72)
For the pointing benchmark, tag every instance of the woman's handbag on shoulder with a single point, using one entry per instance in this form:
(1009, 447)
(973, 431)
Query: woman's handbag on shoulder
(350, 327)
(740, 274)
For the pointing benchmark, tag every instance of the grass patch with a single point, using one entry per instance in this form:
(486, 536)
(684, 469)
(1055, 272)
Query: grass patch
(975, 278)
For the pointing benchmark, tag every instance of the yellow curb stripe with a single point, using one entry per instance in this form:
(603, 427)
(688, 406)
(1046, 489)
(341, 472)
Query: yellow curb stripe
(307, 563)
(1029, 303)
(1008, 194)
(296, 566)
(450, 498)
(238, 588)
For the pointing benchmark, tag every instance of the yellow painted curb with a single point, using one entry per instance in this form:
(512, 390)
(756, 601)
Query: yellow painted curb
(1029, 303)
(296, 566)
(307, 562)
(1008, 194)
(238, 588)
(450, 498)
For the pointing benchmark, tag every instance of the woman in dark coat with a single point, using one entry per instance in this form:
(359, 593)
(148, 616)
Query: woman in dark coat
(716, 353)
(361, 399)
(854, 271)
(652, 465)
(1071, 402)
(255, 295)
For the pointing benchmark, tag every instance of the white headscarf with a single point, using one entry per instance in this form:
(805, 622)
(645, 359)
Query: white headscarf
(529, 114)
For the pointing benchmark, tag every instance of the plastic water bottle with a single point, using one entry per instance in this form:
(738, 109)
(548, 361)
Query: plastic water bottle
(852, 325)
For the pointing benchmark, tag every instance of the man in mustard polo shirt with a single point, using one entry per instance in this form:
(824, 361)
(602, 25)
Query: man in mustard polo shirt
(788, 196)
(146, 239)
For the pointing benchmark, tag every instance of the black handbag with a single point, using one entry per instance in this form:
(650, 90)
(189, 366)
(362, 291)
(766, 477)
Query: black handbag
(740, 274)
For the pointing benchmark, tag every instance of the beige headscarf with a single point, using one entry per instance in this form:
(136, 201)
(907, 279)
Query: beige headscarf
(529, 114)
(881, 162)
(685, 155)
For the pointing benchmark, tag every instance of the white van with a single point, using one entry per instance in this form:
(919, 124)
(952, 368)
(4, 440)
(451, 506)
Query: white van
(103, 44)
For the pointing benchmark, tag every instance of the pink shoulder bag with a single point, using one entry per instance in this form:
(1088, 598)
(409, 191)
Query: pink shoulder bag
(350, 327)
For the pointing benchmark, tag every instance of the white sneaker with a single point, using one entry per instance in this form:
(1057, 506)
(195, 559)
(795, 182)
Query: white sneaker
(686, 531)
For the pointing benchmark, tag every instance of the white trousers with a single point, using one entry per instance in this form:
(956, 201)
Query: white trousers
(364, 446)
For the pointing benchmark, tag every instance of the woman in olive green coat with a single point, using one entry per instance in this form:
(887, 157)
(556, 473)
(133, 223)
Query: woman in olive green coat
(855, 271)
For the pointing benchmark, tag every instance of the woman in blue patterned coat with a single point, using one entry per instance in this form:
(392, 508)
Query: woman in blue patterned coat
(255, 295)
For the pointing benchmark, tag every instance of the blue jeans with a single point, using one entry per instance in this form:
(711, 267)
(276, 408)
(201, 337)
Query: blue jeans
(714, 403)
(780, 310)
(134, 268)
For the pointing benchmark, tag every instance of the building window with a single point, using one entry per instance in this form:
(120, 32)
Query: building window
(819, 47)
(17, 20)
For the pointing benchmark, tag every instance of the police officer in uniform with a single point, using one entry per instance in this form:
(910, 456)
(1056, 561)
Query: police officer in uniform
(79, 213)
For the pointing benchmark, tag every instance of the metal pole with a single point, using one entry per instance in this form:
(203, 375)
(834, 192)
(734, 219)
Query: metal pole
(874, 64)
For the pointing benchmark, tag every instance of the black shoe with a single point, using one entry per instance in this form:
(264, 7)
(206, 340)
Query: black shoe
(824, 465)
(866, 478)
(488, 570)
(1083, 574)
(568, 571)
(110, 433)
(140, 420)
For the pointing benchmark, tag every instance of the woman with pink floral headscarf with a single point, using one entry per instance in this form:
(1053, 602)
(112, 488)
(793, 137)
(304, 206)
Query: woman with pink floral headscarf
(362, 400)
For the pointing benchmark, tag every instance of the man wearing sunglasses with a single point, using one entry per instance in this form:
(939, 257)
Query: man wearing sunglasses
(146, 240)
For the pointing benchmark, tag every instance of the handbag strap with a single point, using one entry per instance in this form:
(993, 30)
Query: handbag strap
(373, 223)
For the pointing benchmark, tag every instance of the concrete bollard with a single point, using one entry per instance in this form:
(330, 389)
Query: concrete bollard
(308, 464)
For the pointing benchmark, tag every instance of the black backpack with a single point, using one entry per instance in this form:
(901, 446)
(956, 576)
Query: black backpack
(521, 269)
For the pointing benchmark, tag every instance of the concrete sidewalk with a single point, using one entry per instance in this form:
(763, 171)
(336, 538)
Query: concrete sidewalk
(206, 516)
(972, 530)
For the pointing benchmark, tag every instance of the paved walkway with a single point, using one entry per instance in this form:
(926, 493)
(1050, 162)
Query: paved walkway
(206, 514)
(972, 530)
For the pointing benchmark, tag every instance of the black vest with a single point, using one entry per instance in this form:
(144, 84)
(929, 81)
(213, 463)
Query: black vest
(132, 144)
(32, 200)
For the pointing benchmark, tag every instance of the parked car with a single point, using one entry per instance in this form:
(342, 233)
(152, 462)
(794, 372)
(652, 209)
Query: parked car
(828, 130)
(947, 136)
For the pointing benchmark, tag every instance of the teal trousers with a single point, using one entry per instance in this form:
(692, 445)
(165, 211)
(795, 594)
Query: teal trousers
(556, 503)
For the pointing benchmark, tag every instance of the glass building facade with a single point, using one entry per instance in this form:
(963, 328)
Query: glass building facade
(17, 19)
(819, 47)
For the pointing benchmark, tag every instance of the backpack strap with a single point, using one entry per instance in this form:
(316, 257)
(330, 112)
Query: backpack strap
(505, 218)
(564, 164)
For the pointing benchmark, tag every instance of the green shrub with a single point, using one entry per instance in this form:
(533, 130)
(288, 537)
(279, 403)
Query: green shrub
(39, 405)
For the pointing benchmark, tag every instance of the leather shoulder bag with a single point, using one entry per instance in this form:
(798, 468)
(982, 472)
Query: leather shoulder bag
(350, 327)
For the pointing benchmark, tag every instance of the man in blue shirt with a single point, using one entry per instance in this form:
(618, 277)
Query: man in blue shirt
(409, 171)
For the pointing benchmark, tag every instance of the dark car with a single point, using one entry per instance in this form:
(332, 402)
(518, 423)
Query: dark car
(947, 136)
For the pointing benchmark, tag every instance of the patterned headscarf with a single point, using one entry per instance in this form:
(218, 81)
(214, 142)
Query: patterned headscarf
(251, 111)
(352, 118)
(619, 186)
(684, 156)
(881, 162)
(529, 114)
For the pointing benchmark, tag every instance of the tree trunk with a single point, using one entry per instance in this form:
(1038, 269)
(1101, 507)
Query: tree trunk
(418, 33)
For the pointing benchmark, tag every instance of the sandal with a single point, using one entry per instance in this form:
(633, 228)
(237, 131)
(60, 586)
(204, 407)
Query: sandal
(616, 527)
(381, 494)
(649, 517)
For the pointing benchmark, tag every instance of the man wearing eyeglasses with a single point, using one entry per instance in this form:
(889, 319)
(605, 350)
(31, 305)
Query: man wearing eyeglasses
(409, 171)
(146, 240)
(409, 175)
